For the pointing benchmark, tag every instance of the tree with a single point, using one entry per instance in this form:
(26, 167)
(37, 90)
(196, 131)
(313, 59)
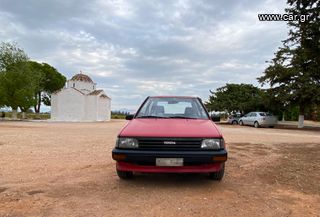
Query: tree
(36, 68)
(236, 98)
(2, 93)
(49, 81)
(10, 54)
(294, 72)
(20, 77)
(17, 84)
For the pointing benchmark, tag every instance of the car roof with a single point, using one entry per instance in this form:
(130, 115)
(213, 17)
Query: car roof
(193, 97)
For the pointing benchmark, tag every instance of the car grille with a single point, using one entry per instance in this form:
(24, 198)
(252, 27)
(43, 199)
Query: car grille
(170, 143)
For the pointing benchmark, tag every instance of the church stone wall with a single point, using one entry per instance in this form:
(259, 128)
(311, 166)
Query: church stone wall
(108, 109)
(69, 106)
(54, 107)
(91, 108)
(103, 109)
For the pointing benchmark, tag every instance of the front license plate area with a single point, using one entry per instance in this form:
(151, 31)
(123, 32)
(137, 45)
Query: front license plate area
(169, 162)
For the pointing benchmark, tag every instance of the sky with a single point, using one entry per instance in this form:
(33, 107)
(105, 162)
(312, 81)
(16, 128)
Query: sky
(134, 49)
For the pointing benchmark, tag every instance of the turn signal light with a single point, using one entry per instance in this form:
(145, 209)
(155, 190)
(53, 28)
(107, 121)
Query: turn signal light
(119, 157)
(219, 158)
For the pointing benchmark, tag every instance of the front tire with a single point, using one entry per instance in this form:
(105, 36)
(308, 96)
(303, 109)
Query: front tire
(234, 122)
(256, 124)
(124, 174)
(241, 123)
(217, 175)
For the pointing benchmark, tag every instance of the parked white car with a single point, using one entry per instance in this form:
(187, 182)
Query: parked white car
(258, 119)
(234, 119)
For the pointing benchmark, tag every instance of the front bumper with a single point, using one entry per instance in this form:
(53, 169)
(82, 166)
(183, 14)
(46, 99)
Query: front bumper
(145, 161)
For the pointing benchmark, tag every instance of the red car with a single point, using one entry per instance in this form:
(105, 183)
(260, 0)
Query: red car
(170, 134)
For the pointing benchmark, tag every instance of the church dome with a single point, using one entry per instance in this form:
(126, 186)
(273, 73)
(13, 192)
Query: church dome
(81, 77)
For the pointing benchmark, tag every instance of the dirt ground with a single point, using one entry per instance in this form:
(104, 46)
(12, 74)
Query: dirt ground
(65, 169)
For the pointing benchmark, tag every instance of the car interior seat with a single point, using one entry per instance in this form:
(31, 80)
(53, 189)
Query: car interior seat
(157, 110)
(189, 112)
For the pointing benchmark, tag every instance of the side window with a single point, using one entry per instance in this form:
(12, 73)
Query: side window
(146, 108)
(253, 114)
(200, 109)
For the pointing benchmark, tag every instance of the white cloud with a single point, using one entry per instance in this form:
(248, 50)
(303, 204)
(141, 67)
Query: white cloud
(137, 48)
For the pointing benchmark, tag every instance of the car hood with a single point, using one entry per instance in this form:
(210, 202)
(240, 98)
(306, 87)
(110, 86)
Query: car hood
(156, 127)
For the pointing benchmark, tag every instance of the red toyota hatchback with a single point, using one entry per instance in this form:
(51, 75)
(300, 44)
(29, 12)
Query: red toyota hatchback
(170, 134)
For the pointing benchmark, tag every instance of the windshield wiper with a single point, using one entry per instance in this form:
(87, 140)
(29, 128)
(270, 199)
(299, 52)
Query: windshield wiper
(150, 116)
(181, 117)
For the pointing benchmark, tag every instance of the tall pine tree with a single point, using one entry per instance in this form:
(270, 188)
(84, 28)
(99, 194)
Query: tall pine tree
(294, 72)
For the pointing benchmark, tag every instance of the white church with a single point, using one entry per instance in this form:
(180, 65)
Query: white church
(80, 101)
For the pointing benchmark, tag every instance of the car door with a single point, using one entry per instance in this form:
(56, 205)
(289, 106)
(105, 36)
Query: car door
(246, 118)
(253, 118)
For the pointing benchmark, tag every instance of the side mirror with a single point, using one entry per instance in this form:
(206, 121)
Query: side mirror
(129, 117)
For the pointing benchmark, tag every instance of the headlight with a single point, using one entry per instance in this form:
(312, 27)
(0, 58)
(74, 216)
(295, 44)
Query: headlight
(214, 144)
(127, 143)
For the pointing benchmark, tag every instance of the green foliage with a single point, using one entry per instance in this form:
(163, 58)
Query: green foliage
(29, 115)
(119, 114)
(10, 54)
(229, 98)
(49, 81)
(292, 113)
(273, 104)
(25, 83)
(2, 92)
(294, 72)
(52, 82)
(236, 98)
(17, 86)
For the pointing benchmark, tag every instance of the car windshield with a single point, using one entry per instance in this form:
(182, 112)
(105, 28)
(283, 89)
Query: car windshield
(172, 107)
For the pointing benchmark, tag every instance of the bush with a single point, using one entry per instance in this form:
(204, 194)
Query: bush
(118, 116)
(32, 116)
(292, 114)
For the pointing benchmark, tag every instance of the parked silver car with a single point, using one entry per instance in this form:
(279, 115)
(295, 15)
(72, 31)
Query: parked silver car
(258, 119)
(234, 119)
